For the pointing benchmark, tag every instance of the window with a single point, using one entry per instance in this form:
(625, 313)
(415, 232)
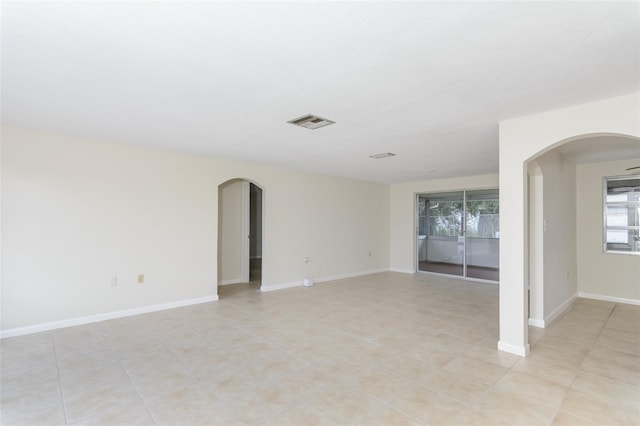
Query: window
(483, 218)
(439, 216)
(445, 218)
(622, 214)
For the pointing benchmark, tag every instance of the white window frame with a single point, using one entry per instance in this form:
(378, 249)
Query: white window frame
(627, 228)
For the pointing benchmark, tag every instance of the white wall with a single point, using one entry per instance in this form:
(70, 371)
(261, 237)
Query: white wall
(558, 233)
(77, 212)
(536, 245)
(402, 225)
(230, 232)
(603, 275)
(521, 140)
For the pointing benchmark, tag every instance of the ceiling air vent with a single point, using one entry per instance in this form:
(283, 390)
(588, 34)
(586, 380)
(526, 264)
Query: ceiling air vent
(311, 121)
(382, 155)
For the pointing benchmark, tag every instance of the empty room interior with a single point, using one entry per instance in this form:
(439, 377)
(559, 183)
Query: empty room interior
(310, 213)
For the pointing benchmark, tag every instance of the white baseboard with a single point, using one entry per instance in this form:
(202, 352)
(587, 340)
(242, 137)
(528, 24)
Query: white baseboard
(609, 298)
(513, 349)
(102, 317)
(564, 307)
(281, 286)
(351, 275)
(231, 281)
(403, 271)
(536, 322)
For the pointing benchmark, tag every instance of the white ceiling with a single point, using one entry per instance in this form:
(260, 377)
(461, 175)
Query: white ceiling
(428, 81)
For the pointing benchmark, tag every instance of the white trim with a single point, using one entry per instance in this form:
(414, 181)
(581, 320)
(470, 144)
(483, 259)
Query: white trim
(102, 317)
(350, 275)
(281, 286)
(536, 323)
(564, 307)
(231, 281)
(513, 349)
(609, 298)
(403, 271)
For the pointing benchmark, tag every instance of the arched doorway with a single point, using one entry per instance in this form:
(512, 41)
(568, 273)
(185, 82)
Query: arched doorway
(565, 225)
(240, 236)
(521, 140)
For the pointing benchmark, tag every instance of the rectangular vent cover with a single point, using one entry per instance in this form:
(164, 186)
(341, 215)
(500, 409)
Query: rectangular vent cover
(310, 121)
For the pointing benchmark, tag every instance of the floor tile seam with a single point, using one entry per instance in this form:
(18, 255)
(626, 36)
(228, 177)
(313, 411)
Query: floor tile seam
(132, 383)
(566, 389)
(556, 351)
(610, 401)
(629, 336)
(555, 413)
(268, 418)
(522, 399)
(254, 335)
(600, 331)
(585, 393)
(560, 410)
(62, 397)
(617, 352)
(399, 410)
(296, 399)
(254, 383)
(29, 384)
(120, 358)
(617, 379)
(388, 405)
(324, 416)
(443, 394)
(309, 395)
(198, 378)
(606, 401)
(62, 357)
(624, 352)
(582, 344)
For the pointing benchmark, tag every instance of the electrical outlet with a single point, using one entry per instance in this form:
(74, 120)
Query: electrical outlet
(113, 281)
(140, 278)
(369, 254)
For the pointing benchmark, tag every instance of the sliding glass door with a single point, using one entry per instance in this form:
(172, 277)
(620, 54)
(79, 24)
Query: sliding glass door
(440, 234)
(458, 233)
(482, 234)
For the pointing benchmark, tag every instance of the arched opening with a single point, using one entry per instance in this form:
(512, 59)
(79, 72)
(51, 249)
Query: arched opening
(565, 259)
(240, 236)
(522, 140)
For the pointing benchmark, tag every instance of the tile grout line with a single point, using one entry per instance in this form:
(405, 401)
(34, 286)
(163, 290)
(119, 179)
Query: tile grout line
(64, 405)
(570, 386)
(128, 376)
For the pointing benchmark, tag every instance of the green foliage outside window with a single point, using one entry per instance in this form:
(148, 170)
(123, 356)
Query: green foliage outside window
(444, 218)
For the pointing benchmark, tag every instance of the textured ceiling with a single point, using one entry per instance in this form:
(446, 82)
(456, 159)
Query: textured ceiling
(428, 81)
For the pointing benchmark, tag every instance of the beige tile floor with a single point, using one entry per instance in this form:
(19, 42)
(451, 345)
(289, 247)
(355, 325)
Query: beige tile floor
(383, 349)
